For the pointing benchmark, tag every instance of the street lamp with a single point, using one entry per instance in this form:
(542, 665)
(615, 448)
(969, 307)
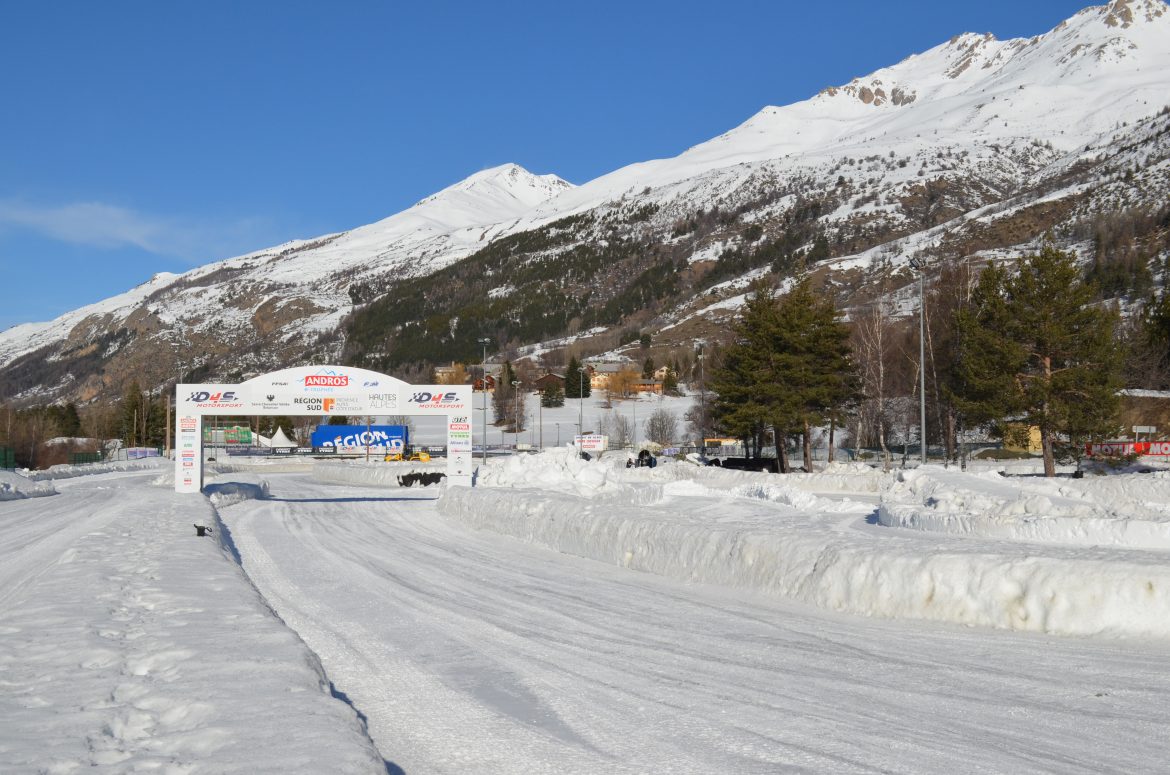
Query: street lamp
(483, 382)
(581, 399)
(702, 404)
(516, 412)
(920, 265)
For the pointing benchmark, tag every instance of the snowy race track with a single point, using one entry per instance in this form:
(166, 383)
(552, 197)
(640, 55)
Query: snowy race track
(468, 651)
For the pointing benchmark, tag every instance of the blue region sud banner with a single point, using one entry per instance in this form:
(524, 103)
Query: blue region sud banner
(384, 438)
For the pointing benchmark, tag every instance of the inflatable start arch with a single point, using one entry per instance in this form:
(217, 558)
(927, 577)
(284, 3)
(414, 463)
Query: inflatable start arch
(320, 390)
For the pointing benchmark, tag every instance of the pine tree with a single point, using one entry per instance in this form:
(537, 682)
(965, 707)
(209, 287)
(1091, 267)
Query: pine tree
(648, 368)
(577, 380)
(503, 397)
(670, 382)
(133, 414)
(1034, 348)
(750, 395)
(552, 396)
(823, 375)
(788, 369)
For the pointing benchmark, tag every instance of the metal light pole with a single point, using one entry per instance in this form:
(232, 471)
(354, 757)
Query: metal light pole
(516, 413)
(921, 267)
(483, 382)
(702, 405)
(635, 407)
(581, 399)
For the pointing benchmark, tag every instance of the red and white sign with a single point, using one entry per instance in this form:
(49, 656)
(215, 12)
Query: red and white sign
(1121, 448)
(592, 442)
(326, 380)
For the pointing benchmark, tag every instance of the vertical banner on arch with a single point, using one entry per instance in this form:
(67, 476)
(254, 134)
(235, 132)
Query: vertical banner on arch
(188, 452)
(459, 458)
(454, 401)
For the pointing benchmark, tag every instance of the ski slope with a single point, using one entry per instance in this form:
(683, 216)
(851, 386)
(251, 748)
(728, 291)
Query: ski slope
(374, 628)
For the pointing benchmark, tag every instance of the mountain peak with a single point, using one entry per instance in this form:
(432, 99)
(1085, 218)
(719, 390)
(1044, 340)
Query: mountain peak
(1126, 13)
(505, 182)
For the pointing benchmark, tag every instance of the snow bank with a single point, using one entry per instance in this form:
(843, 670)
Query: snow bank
(376, 473)
(823, 566)
(14, 486)
(227, 493)
(67, 471)
(560, 470)
(1128, 510)
(837, 477)
(265, 465)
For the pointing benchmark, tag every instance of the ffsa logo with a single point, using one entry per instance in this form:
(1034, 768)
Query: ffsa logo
(204, 397)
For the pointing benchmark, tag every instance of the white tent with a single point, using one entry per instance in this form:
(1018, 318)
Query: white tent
(281, 441)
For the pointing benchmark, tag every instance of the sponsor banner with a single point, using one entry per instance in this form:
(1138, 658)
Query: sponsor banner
(591, 442)
(388, 438)
(188, 445)
(1121, 448)
(327, 380)
(382, 402)
(436, 398)
(459, 468)
(212, 399)
(271, 401)
(458, 434)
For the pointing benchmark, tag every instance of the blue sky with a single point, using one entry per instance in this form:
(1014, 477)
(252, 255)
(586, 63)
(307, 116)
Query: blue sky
(140, 137)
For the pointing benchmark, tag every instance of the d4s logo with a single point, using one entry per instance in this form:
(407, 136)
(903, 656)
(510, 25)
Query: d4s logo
(202, 396)
(432, 398)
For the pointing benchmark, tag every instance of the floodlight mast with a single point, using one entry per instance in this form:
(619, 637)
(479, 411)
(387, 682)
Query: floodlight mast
(483, 382)
(920, 265)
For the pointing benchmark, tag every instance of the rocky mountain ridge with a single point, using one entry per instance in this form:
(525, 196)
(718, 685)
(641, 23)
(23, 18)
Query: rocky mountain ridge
(977, 148)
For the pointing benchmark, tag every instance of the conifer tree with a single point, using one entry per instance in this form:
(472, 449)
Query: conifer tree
(750, 392)
(788, 368)
(1034, 348)
(133, 415)
(822, 372)
(503, 403)
(576, 382)
(670, 382)
(552, 396)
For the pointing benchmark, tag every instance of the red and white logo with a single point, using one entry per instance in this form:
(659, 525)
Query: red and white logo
(327, 380)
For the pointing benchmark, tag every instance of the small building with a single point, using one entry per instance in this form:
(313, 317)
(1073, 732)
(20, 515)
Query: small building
(549, 380)
(1145, 409)
(599, 373)
(1018, 437)
(648, 386)
(443, 374)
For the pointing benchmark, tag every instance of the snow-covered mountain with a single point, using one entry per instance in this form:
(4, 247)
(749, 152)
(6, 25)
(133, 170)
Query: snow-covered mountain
(295, 291)
(974, 147)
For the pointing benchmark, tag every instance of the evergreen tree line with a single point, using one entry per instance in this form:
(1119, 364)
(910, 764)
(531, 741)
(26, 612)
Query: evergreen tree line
(138, 419)
(1025, 346)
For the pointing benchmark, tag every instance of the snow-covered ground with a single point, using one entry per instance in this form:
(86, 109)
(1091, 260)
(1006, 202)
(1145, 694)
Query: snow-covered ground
(579, 617)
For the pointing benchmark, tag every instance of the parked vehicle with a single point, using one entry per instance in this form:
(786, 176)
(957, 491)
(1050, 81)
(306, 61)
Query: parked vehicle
(413, 457)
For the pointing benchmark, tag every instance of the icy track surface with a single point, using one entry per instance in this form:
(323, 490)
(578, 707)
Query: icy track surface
(468, 650)
(128, 645)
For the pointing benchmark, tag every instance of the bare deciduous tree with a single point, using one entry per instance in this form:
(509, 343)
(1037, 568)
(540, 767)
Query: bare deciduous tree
(662, 427)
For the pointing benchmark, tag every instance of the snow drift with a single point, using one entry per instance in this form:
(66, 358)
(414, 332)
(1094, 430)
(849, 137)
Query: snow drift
(822, 550)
